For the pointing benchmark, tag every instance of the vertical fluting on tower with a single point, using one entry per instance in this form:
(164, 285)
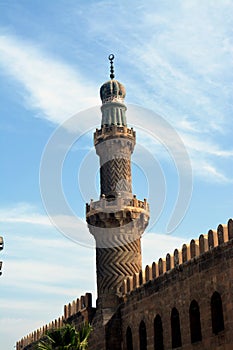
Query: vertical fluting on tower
(118, 219)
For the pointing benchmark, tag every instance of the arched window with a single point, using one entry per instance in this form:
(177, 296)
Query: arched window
(129, 339)
(175, 326)
(195, 323)
(158, 333)
(217, 313)
(142, 336)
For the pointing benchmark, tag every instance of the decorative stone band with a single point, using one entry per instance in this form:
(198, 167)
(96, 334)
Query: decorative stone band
(188, 252)
(114, 146)
(114, 264)
(115, 177)
(78, 305)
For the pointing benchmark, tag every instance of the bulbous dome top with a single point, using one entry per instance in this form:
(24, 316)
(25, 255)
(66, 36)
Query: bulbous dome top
(112, 90)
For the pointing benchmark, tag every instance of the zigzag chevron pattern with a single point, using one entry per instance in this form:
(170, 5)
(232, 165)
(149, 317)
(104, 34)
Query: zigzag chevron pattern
(116, 176)
(114, 264)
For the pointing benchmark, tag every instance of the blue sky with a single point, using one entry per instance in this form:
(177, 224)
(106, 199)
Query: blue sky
(175, 59)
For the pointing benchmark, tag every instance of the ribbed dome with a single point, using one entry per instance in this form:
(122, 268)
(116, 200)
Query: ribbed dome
(112, 90)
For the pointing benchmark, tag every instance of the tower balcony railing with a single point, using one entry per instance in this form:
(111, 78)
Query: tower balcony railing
(119, 203)
(115, 130)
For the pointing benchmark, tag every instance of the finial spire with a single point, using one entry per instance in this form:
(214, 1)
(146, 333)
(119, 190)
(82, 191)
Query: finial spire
(111, 58)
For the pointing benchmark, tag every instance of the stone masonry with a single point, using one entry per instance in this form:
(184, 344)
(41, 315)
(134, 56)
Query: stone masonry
(195, 272)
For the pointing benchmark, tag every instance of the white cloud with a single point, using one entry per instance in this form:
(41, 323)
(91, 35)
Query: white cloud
(181, 67)
(72, 226)
(213, 173)
(21, 326)
(42, 271)
(157, 245)
(23, 213)
(204, 154)
(52, 88)
(206, 146)
(194, 101)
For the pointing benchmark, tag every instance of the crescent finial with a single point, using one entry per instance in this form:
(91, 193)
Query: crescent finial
(111, 58)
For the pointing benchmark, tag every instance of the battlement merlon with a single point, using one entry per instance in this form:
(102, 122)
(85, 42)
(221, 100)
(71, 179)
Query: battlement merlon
(76, 312)
(78, 305)
(187, 254)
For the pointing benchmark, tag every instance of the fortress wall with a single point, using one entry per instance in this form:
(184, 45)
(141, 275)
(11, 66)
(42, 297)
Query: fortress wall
(39, 333)
(195, 248)
(208, 269)
(78, 309)
(194, 272)
(78, 305)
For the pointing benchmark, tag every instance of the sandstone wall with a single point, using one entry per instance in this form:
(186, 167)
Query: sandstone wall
(194, 273)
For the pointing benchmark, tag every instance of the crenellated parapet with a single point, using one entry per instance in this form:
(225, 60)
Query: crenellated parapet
(77, 307)
(115, 205)
(39, 333)
(205, 243)
(113, 131)
(119, 221)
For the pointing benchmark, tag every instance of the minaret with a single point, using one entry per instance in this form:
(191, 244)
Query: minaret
(118, 219)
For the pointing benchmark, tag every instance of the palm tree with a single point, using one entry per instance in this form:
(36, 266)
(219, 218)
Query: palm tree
(65, 338)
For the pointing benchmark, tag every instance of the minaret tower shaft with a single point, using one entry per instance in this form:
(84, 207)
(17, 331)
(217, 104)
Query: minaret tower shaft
(118, 219)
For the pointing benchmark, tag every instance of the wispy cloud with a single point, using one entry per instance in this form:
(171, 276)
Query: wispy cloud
(205, 155)
(154, 251)
(71, 227)
(186, 61)
(185, 79)
(22, 324)
(40, 267)
(44, 277)
(51, 87)
(23, 213)
(180, 67)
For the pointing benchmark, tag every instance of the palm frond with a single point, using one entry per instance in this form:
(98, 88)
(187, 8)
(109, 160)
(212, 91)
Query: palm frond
(65, 338)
